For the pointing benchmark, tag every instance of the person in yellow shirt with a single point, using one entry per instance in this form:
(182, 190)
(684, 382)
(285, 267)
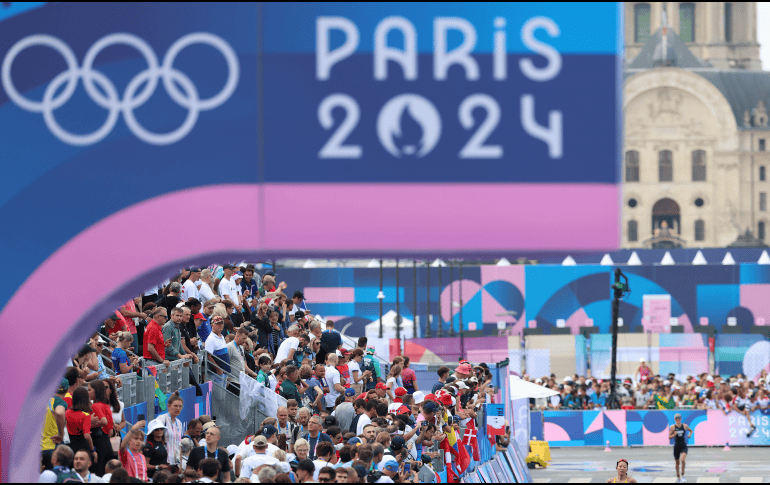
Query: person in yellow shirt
(55, 423)
(622, 477)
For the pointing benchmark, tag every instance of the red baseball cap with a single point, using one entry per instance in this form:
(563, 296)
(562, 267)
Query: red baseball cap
(199, 316)
(446, 400)
(380, 385)
(400, 391)
(431, 397)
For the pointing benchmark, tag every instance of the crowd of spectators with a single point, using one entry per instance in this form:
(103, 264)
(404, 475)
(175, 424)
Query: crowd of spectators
(736, 394)
(345, 420)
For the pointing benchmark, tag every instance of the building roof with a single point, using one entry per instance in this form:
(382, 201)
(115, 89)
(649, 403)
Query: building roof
(652, 50)
(742, 89)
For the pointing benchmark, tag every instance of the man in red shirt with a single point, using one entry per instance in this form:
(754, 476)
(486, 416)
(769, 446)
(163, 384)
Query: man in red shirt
(154, 344)
(113, 324)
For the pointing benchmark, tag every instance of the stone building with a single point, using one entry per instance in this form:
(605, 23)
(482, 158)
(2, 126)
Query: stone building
(695, 125)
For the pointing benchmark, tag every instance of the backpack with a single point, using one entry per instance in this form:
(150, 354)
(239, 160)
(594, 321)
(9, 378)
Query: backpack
(66, 476)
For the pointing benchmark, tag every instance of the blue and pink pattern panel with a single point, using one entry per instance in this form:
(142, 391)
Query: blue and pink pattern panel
(647, 428)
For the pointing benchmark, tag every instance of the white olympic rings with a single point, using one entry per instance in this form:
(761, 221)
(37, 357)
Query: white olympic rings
(131, 100)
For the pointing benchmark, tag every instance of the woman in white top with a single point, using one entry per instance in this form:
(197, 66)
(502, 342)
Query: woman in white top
(762, 401)
(392, 382)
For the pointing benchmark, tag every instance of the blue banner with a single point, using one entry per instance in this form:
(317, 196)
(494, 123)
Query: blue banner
(439, 92)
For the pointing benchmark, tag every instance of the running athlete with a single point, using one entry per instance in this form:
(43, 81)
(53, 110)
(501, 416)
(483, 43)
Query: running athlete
(679, 431)
(622, 477)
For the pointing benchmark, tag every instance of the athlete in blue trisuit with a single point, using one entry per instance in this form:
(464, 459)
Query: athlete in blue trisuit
(679, 431)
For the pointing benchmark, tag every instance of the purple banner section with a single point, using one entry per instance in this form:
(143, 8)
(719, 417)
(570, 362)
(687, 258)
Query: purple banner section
(408, 218)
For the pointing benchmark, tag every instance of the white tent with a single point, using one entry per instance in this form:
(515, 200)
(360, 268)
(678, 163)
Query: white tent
(568, 261)
(389, 327)
(521, 389)
(607, 260)
(503, 262)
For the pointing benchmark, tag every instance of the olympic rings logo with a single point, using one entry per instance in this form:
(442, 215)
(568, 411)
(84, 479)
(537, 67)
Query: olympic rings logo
(130, 99)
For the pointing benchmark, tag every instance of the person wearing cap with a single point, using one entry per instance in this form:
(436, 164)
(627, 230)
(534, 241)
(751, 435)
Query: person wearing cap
(463, 371)
(189, 288)
(54, 425)
(305, 471)
(345, 412)
(251, 465)
(643, 371)
(298, 304)
(370, 364)
(211, 450)
(227, 288)
(155, 450)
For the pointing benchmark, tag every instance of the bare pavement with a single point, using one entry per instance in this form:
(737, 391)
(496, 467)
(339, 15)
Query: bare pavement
(656, 465)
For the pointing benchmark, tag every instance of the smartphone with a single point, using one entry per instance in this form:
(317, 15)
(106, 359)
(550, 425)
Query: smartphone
(141, 417)
(407, 468)
(495, 389)
(214, 418)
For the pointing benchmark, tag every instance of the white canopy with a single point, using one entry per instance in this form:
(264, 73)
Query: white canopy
(521, 389)
(389, 327)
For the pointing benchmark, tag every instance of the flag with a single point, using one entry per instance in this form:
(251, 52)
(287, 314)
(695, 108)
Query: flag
(463, 459)
(471, 440)
(448, 451)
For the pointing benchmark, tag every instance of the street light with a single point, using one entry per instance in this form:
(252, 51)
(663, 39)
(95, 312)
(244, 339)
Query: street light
(380, 296)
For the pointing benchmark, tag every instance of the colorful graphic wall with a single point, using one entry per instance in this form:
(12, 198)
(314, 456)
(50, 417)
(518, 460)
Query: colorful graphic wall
(648, 428)
(540, 296)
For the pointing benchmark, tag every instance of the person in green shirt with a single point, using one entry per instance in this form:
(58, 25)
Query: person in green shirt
(263, 376)
(663, 400)
(288, 387)
(371, 364)
(55, 423)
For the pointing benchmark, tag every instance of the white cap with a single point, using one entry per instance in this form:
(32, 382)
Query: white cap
(232, 449)
(418, 396)
(641, 359)
(740, 380)
(589, 382)
(538, 381)
(568, 379)
(710, 378)
(666, 382)
(155, 424)
(462, 385)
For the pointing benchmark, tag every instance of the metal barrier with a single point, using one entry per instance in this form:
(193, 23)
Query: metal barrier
(128, 391)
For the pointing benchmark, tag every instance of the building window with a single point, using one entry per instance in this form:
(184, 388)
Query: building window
(632, 166)
(762, 173)
(728, 22)
(665, 166)
(698, 166)
(687, 22)
(633, 231)
(761, 231)
(763, 201)
(700, 230)
(761, 144)
(641, 22)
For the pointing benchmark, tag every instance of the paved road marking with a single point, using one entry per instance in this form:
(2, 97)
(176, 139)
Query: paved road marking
(665, 480)
(751, 479)
(579, 480)
(708, 479)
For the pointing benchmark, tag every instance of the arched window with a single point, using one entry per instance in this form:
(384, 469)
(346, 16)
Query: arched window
(761, 231)
(641, 22)
(687, 22)
(665, 166)
(700, 230)
(633, 231)
(632, 166)
(699, 166)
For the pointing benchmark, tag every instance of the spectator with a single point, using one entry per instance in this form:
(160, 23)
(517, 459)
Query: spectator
(62, 460)
(121, 363)
(289, 345)
(315, 436)
(194, 430)
(288, 386)
(154, 342)
(210, 469)
(216, 349)
(81, 465)
(174, 430)
(443, 373)
(392, 382)
(211, 450)
(259, 458)
(55, 424)
(111, 467)
(305, 471)
(156, 450)
(330, 339)
(79, 420)
(97, 393)
(334, 381)
(325, 454)
(190, 289)
(345, 411)
(130, 453)
(204, 292)
(237, 359)
(172, 299)
(172, 331)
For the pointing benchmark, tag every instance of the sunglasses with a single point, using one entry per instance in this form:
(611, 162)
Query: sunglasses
(324, 480)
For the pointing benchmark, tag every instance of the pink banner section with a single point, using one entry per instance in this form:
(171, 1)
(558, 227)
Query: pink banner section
(330, 295)
(444, 217)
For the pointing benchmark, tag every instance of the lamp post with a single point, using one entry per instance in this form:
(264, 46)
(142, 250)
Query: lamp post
(462, 334)
(398, 306)
(414, 296)
(451, 300)
(440, 329)
(427, 302)
(380, 296)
